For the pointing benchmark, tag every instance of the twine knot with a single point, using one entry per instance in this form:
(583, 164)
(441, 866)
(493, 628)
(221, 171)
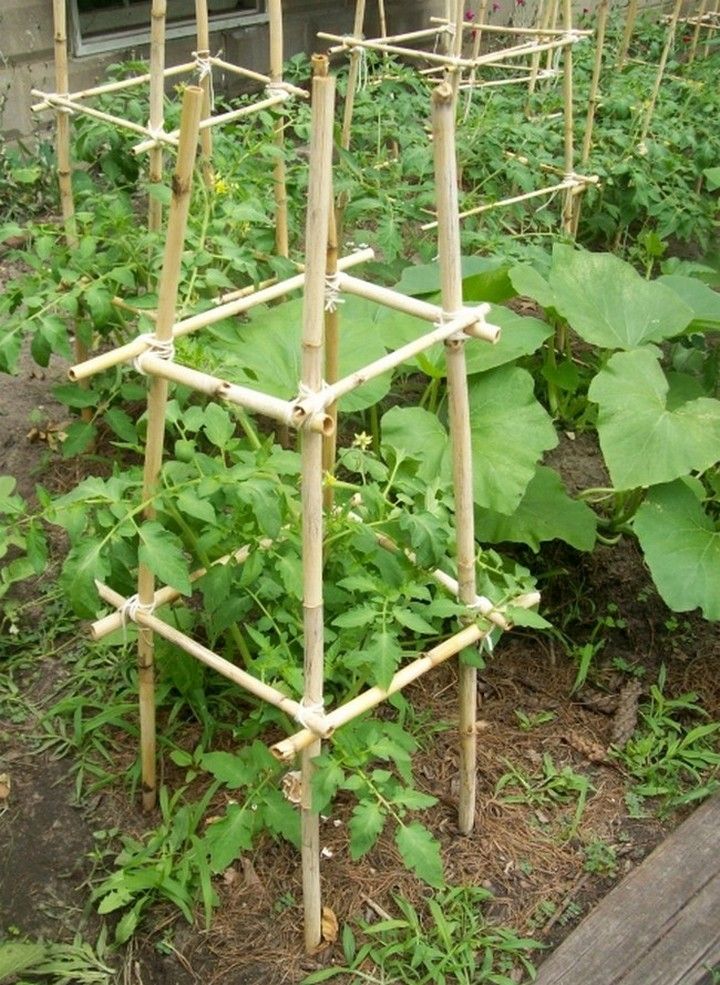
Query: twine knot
(162, 348)
(308, 708)
(133, 606)
(332, 292)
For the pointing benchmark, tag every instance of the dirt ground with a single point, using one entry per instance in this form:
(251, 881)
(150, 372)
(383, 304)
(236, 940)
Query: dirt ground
(540, 883)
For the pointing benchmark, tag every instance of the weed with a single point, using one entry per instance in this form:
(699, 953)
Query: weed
(600, 858)
(77, 963)
(548, 787)
(529, 722)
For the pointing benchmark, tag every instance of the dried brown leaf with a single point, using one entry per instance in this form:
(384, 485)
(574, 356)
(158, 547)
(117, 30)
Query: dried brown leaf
(329, 925)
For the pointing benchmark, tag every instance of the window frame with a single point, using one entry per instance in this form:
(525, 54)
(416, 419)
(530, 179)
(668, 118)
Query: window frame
(133, 37)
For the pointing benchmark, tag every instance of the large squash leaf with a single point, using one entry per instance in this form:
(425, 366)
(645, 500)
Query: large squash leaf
(645, 437)
(681, 544)
(701, 299)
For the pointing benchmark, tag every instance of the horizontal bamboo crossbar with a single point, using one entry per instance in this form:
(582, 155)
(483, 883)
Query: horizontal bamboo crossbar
(229, 309)
(287, 412)
(543, 74)
(401, 302)
(346, 42)
(271, 695)
(117, 86)
(258, 77)
(72, 106)
(287, 749)
(211, 121)
(545, 32)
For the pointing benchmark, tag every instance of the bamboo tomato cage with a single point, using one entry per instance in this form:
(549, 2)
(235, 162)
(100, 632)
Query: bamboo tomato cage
(323, 278)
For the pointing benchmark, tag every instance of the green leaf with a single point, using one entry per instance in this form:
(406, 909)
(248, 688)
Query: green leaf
(427, 534)
(366, 823)
(712, 176)
(327, 778)
(681, 544)
(701, 299)
(83, 565)
(18, 956)
(521, 336)
(232, 770)
(479, 274)
(189, 502)
(606, 301)
(420, 853)
(79, 436)
(510, 431)
(545, 512)
(122, 424)
(644, 442)
(219, 425)
(162, 552)
(384, 654)
(411, 432)
(227, 838)
(411, 620)
(361, 615)
(280, 816)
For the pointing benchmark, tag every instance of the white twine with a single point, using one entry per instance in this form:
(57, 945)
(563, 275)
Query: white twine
(163, 349)
(278, 89)
(204, 70)
(312, 402)
(132, 606)
(313, 708)
(362, 78)
(332, 292)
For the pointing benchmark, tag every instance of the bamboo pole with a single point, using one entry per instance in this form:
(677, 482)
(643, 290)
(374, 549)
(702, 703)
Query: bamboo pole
(141, 343)
(390, 298)
(568, 121)
(544, 13)
(670, 39)
(202, 27)
(501, 29)
(332, 356)
(118, 86)
(630, 18)
(157, 115)
(552, 24)
(443, 122)
(353, 75)
(157, 400)
(602, 17)
(279, 175)
(257, 76)
(453, 74)
(576, 181)
(696, 32)
(163, 596)
(382, 18)
(713, 26)
(265, 692)
(60, 102)
(287, 749)
(213, 121)
(479, 25)
(318, 218)
(285, 411)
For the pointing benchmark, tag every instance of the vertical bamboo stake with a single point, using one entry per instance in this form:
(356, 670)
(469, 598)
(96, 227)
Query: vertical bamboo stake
(443, 119)
(279, 181)
(205, 83)
(711, 31)
(454, 74)
(672, 27)
(567, 212)
(630, 18)
(602, 17)
(318, 217)
(382, 18)
(332, 358)
(157, 108)
(543, 21)
(696, 32)
(157, 399)
(552, 24)
(353, 73)
(479, 19)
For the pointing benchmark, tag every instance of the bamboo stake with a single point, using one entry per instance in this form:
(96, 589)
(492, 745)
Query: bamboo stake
(163, 596)
(661, 71)
(284, 411)
(544, 13)
(713, 25)
(150, 623)
(390, 298)
(58, 101)
(478, 21)
(157, 116)
(131, 350)
(318, 217)
(353, 75)
(501, 29)
(332, 357)
(157, 399)
(576, 181)
(552, 24)
(109, 87)
(443, 122)
(569, 149)
(454, 73)
(630, 18)
(382, 18)
(287, 749)
(279, 176)
(696, 32)
(213, 121)
(202, 26)
(257, 76)
(602, 17)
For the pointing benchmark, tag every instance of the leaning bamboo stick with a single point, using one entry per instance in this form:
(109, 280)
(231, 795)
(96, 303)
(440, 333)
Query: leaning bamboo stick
(602, 17)
(157, 115)
(257, 76)
(285, 411)
(58, 101)
(696, 32)
(466, 322)
(279, 175)
(344, 42)
(630, 18)
(390, 298)
(202, 27)
(318, 218)
(157, 400)
(287, 749)
(443, 122)
(121, 84)
(477, 23)
(669, 41)
(163, 596)
(353, 75)
(137, 346)
(265, 692)
(512, 200)
(568, 122)
(212, 121)
(332, 356)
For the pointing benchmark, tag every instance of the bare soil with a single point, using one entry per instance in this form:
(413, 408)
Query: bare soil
(540, 882)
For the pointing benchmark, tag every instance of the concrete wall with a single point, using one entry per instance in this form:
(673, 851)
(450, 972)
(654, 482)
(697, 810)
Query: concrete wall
(26, 37)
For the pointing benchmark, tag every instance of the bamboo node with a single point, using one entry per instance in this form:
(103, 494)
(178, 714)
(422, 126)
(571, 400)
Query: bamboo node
(332, 292)
(305, 708)
(162, 348)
